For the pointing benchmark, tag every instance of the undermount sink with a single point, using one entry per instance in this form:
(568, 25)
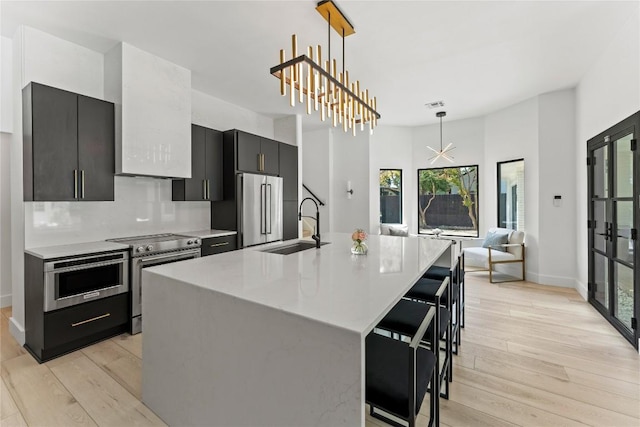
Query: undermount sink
(292, 248)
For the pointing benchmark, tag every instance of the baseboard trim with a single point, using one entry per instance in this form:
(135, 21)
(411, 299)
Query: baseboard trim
(582, 289)
(17, 331)
(5, 300)
(560, 281)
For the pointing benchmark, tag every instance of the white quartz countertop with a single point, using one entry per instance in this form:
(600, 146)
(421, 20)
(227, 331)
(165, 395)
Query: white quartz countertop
(76, 249)
(328, 285)
(204, 234)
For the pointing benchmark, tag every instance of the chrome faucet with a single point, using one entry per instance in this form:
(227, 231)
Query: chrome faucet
(316, 234)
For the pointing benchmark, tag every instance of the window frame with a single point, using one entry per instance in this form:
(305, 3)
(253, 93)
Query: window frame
(401, 194)
(498, 166)
(477, 231)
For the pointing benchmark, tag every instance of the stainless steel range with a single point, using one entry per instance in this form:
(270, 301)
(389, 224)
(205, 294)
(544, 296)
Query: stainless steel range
(149, 251)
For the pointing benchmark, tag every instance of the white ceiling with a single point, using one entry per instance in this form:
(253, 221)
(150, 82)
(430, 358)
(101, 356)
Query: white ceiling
(477, 56)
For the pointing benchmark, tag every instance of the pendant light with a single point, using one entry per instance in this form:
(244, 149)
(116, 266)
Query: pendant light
(326, 89)
(444, 153)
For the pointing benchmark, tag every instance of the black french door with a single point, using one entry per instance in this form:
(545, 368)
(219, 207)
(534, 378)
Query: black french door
(613, 186)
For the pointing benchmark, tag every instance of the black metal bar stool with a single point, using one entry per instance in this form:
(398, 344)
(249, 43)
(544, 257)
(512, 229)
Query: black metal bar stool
(399, 374)
(429, 291)
(405, 317)
(456, 277)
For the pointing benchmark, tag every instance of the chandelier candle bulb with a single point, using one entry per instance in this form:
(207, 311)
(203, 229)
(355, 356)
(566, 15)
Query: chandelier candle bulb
(300, 84)
(375, 104)
(294, 54)
(334, 74)
(283, 90)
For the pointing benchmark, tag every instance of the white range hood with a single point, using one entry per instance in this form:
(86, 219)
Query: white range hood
(153, 113)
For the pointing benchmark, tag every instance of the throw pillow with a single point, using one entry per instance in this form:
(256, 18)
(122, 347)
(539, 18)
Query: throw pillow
(494, 238)
(398, 232)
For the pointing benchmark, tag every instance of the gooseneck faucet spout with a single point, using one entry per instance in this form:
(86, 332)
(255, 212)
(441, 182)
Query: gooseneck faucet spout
(316, 235)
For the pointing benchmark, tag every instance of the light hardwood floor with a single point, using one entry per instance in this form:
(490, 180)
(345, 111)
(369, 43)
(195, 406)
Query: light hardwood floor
(531, 356)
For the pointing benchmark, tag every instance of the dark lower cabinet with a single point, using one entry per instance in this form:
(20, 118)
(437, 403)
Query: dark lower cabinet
(69, 146)
(54, 333)
(289, 171)
(289, 219)
(74, 327)
(218, 245)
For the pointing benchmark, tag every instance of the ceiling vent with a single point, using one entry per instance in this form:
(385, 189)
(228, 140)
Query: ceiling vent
(436, 104)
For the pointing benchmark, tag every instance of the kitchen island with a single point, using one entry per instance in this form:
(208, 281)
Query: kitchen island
(255, 338)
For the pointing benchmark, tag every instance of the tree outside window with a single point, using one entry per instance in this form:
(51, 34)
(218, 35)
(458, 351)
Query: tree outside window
(390, 196)
(448, 200)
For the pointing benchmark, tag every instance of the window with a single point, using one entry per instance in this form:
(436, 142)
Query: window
(390, 196)
(448, 200)
(511, 194)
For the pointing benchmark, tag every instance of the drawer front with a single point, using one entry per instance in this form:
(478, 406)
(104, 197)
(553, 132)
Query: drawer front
(218, 245)
(79, 321)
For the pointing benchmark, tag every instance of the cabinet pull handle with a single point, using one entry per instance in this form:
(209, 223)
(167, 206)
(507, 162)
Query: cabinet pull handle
(82, 184)
(215, 245)
(204, 189)
(262, 162)
(208, 190)
(75, 183)
(93, 319)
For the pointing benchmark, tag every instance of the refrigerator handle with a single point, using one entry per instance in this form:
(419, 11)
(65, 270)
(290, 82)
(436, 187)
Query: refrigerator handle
(268, 208)
(263, 204)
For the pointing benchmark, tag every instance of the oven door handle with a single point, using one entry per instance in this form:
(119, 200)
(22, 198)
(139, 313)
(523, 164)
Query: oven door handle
(174, 257)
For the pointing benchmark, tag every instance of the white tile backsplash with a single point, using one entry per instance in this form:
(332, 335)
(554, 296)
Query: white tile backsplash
(142, 206)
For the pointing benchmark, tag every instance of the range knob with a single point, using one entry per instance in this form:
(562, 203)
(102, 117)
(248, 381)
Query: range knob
(149, 248)
(196, 241)
(139, 249)
(190, 242)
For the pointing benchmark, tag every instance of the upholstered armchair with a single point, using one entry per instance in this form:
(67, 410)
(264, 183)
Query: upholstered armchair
(500, 246)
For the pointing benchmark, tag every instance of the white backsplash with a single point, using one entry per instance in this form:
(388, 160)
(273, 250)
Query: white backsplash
(142, 206)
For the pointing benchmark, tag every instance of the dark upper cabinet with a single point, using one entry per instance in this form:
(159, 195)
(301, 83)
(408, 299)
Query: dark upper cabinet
(214, 165)
(206, 168)
(248, 152)
(69, 143)
(289, 171)
(256, 154)
(270, 157)
(96, 148)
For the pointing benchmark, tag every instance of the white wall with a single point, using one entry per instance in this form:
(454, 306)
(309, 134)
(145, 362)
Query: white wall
(468, 139)
(317, 170)
(512, 133)
(217, 114)
(6, 127)
(608, 93)
(556, 149)
(6, 79)
(5, 220)
(350, 163)
(391, 148)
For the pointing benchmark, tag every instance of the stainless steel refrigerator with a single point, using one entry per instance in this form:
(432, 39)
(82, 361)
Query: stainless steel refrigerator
(260, 210)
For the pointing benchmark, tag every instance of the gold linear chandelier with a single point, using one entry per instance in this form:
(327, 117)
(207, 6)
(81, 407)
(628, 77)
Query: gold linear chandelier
(322, 87)
(446, 152)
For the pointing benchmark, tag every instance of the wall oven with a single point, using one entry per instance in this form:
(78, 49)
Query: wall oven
(140, 263)
(150, 251)
(72, 281)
